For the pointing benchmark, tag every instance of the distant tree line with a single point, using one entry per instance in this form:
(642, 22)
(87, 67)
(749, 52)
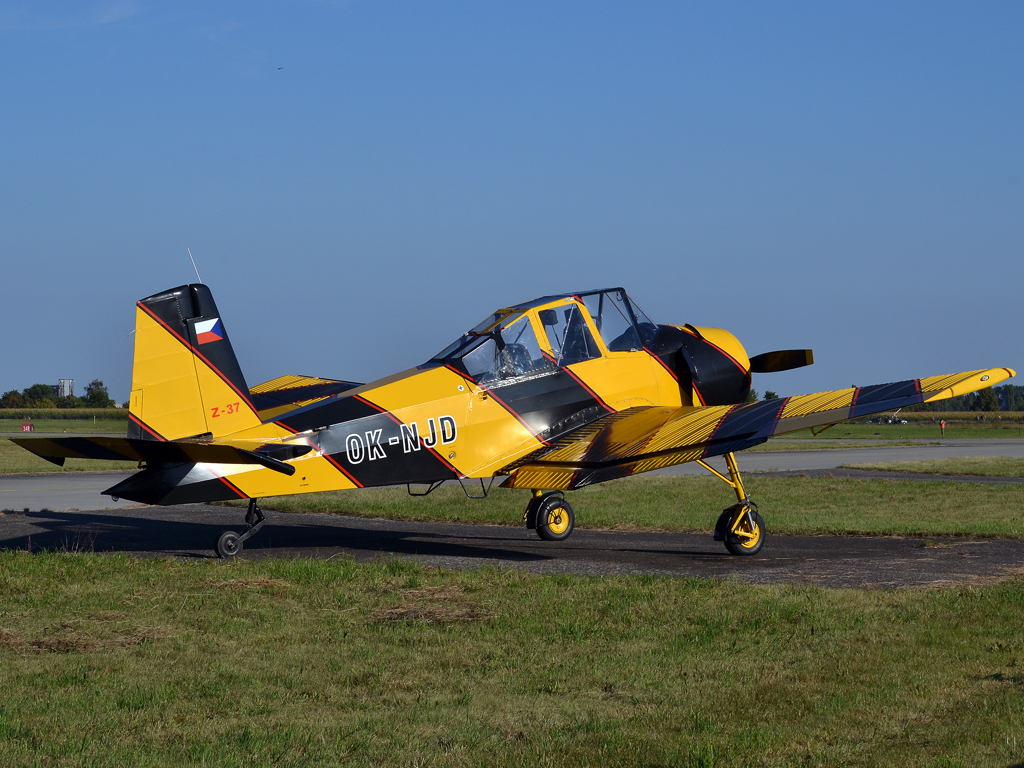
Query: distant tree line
(1008, 397)
(44, 396)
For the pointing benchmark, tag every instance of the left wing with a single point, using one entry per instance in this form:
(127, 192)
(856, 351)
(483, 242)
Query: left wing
(644, 438)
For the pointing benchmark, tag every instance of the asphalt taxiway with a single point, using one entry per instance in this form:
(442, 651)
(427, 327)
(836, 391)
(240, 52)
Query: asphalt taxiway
(67, 512)
(835, 561)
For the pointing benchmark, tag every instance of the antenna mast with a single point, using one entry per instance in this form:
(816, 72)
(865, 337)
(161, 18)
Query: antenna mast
(194, 264)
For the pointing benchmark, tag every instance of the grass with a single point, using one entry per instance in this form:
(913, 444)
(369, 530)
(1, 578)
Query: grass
(919, 430)
(981, 466)
(795, 505)
(109, 660)
(786, 444)
(14, 458)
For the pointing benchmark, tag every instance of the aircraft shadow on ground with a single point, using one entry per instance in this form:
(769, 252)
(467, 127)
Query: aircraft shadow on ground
(82, 531)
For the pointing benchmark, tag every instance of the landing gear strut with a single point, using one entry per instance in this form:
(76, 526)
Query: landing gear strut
(229, 543)
(740, 526)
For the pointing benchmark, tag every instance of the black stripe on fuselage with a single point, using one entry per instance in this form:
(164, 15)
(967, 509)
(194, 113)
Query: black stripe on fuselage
(326, 414)
(544, 402)
(167, 484)
(357, 437)
(140, 430)
(373, 450)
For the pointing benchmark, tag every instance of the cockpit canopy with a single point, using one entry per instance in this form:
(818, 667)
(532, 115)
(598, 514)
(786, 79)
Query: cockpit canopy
(540, 336)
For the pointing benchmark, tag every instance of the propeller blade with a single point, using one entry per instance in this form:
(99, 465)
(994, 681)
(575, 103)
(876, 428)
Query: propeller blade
(781, 360)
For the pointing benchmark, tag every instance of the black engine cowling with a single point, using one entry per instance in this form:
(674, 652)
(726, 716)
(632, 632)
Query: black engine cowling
(708, 362)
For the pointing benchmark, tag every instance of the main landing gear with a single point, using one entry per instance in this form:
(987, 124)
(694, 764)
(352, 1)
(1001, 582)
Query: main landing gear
(229, 543)
(740, 526)
(550, 515)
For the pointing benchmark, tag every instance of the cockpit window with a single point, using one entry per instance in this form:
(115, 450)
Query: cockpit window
(648, 328)
(506, 354)
(568, 334)
(611, 316)
(476, 336)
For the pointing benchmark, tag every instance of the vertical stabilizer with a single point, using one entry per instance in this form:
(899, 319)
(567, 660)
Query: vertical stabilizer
(185, 377)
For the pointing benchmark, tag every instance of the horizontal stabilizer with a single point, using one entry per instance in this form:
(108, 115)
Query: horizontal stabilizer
(781, 360)
(57, 449)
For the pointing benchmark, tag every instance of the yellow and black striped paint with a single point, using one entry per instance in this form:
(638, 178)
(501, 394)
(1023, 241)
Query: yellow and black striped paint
(673, 397)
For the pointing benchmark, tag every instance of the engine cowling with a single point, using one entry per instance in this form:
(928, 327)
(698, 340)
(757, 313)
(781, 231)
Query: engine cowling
(711, 365)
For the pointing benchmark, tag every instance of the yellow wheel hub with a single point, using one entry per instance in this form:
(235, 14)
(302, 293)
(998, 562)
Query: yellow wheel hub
(557, 521)
(747, 531)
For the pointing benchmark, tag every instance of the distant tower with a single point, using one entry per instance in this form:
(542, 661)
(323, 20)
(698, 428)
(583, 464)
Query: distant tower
(65, 387)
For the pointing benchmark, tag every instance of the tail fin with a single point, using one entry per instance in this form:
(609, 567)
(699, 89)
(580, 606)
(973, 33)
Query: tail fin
(185, 378)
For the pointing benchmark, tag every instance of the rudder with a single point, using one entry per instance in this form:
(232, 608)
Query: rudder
(186, 381)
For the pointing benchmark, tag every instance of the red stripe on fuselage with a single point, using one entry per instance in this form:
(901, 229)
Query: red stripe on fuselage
(589, 390)
(662, 364)
(500, 402)
(230, 485)
(143, 425)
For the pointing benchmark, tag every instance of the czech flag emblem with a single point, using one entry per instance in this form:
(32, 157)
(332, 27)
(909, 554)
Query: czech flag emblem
(209, 330)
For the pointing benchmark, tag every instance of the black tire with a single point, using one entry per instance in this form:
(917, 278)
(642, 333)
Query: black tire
(741, 545)
(555, 519)
(228, 545)
(723, 524)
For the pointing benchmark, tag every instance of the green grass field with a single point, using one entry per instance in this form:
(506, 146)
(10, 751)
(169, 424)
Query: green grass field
(786, 443)
(797, 505)
(981, 466)
(918, 430)
(109, 660)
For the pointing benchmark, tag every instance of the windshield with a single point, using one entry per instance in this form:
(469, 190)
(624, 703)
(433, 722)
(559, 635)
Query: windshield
(623, 326)
(477, 336)
(511, 353)
(568, 335)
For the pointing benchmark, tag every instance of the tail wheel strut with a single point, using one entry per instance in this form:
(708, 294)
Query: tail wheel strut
(229, 543)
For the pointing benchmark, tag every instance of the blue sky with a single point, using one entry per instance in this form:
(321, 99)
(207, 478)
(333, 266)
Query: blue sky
(361, 182)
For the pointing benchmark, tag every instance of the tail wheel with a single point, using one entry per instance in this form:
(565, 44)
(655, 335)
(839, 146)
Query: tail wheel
(746, 535)
(555, 519)
(228, 545)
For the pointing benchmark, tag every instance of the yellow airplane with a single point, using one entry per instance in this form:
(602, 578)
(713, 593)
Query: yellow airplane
(553, 395)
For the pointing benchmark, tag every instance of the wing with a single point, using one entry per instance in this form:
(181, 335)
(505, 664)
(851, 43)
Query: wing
(641, 439)
(286, 393)
(57, 449)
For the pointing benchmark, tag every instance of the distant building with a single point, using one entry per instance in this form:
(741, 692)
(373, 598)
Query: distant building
(65, 388)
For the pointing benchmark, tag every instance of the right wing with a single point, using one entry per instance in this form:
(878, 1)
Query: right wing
(644, 438)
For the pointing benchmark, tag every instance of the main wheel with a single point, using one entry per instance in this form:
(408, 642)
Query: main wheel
(747, 539)
(555, 519)
(228, 545)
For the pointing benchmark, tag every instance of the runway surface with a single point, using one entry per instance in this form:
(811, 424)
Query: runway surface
(853, 561)
(66, 511)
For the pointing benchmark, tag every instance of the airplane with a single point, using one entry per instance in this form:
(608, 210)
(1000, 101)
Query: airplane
(552, 395)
